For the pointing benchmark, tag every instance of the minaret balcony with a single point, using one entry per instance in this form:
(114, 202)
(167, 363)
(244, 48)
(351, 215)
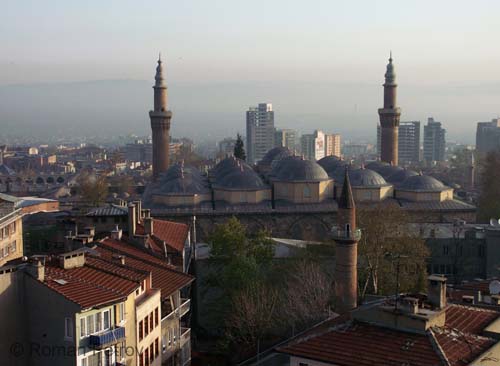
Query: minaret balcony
(339, 233)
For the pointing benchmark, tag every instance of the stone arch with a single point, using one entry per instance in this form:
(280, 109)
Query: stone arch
(60, 180)
(309, 227)
(50, 180)
(40, 180)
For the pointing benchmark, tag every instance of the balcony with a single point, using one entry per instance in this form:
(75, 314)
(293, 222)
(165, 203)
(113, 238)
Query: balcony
(184, 307)
(107, 337)
(185, 336)
(348, 235)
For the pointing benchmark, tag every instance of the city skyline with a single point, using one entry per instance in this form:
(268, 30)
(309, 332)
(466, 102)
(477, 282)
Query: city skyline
(318, 79)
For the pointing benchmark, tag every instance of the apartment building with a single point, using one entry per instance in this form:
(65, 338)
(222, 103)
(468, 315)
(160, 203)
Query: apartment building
(106, 303)
(332, 145)
(175, 341)
(12, 210)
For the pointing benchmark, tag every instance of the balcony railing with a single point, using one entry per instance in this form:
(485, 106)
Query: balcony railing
(184, 307)
(108, 337)
(340, 234)
(185, 336)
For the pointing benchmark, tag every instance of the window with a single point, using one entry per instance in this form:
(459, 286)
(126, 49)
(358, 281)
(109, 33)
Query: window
(98, 322)
(141, 334)
(151, 353)
(157, 348)
(68, 328)
(151, 322)
(106, 320)
(169, 337)
(307, 192)
(82, 328)
(121, 312)
(146, 326)
(156, 317)
(146, 357)
(445, 249)
(13, 247)
(84, 361)
(141, 360)
(90, 324)
(163, 344)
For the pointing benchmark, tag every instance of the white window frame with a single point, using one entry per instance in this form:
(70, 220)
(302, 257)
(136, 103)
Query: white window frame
(109, 320)
(83, 327)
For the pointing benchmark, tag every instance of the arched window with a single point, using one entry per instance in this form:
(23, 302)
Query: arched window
(307, 192)
(348, 229)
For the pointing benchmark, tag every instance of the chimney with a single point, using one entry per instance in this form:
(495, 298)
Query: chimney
(148, 222)
(138, 210)
(409, 305)
(116, 234)
(72, 260)
(436, 291)
(68, 241)
(90, 232)
(37, 270)
(131, 220)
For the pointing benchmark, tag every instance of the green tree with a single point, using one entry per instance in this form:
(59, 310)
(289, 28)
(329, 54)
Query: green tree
(489, 186)
(239, 148)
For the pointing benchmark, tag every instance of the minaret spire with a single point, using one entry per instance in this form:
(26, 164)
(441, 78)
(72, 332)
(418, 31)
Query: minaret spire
(389, 117)
(346, 237)
(160, 122)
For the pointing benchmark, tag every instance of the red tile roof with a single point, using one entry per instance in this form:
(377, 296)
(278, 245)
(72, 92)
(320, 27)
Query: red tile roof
(164, 276)
(468, 319)
(459, 341)
(174, 234)
(363, 344)
(460, 349)
(91, 285)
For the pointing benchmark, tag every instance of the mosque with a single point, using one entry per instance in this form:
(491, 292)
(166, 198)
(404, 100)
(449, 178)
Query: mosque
(287, 194)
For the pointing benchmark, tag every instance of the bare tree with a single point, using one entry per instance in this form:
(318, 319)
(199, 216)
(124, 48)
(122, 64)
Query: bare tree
(308, 293)
(386, 234)
(253, 315)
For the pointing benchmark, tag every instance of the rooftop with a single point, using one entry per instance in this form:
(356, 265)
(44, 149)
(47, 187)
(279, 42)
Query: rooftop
(164, 276)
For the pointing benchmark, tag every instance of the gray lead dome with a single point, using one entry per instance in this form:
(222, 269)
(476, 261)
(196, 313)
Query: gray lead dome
(295, 168)
(366, 178)
(423, 183)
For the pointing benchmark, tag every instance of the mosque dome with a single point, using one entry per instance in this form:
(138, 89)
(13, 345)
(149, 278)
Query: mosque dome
(366, 178)
(400, 176)
(295, 168)
(332, 163)
(423, 183)
(241, 180)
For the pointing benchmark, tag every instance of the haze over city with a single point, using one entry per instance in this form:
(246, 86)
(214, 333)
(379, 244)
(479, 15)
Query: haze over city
(88, 65)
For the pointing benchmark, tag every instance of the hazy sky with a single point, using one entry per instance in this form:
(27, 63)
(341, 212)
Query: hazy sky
(446, 47)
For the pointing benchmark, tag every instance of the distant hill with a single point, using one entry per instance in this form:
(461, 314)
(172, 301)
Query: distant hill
(212, 111)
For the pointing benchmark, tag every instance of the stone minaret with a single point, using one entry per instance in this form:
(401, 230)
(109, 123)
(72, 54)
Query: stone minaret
(160, 124)
(389, 118)
(346, 237)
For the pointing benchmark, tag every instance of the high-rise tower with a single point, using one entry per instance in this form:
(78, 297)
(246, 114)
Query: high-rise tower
(160, 123)
(346, 237)
(389, 118)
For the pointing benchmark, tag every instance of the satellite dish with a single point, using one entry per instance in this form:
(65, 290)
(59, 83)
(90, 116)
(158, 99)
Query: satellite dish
(494, 287)
(493, 222)
(498, 223)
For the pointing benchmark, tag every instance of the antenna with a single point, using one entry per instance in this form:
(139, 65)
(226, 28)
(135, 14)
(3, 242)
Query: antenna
(494, 287)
